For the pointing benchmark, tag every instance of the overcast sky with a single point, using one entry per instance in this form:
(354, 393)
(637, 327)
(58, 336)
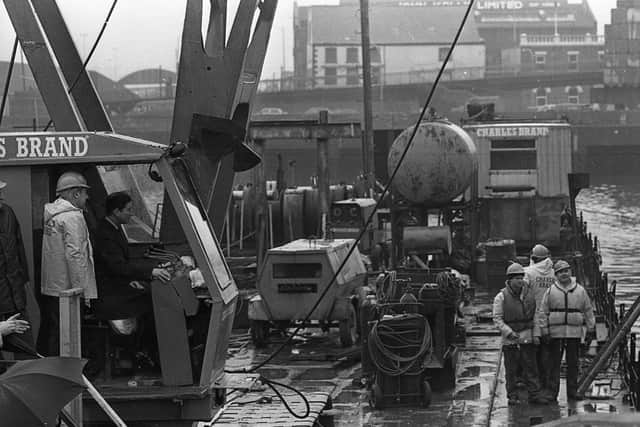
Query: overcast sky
(146, 33)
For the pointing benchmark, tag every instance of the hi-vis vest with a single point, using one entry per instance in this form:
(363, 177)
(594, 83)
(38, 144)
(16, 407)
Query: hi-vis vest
(565, 306)
(517, 313)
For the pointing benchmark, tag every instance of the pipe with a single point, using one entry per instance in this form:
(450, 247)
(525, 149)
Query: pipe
(418, 261)
(603, 356)
(103, 403)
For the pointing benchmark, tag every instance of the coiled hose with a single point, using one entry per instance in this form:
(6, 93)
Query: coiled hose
(400, 344)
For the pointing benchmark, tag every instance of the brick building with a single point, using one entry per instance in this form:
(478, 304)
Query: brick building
(408, 44)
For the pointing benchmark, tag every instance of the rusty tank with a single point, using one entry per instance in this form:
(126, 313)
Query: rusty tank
(439, 165)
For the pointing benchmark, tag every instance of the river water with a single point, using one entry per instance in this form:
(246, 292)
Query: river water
(612, 212)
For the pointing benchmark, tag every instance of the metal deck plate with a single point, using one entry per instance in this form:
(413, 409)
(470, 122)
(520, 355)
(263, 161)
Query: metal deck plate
(258, 412)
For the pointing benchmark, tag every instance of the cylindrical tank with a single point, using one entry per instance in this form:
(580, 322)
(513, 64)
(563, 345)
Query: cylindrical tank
(439, 165)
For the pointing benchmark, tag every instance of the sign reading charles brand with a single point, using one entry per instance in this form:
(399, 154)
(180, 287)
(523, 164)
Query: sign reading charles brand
(40, 146)
(512, 131)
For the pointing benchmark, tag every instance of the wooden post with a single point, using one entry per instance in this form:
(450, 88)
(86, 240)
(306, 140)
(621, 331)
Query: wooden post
(70, 301)
(260, 187)
(323, 174)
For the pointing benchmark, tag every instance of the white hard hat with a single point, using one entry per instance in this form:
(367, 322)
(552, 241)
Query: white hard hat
(70, 180)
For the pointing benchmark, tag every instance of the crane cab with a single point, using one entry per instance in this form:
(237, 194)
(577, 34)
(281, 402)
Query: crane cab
(192, 324)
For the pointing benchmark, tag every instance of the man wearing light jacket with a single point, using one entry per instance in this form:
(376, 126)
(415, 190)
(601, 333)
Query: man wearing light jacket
(565, 312)
(513, 314)
(67, 256)
(539, 276)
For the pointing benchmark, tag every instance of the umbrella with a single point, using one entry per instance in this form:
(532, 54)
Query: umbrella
(17, 343)
(33, 392)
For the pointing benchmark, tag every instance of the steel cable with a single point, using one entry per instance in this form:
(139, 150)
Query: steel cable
(382, 195)
(86, 61)
(369, 220)
(400, 344)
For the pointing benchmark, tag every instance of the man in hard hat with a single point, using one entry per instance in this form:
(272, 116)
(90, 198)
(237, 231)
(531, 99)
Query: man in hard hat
(564, 314)
(14, 271)
(539, 276)
(67, 256)
(513, 313)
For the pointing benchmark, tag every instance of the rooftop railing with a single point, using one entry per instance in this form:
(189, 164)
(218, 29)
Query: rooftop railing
(561, 40)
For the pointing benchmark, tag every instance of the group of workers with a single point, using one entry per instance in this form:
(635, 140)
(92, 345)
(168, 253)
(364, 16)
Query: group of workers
(98, 262)
(542, 312)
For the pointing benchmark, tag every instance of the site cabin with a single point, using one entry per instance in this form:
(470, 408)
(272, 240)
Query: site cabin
(522, 182)
(293, 277)
(192, 365)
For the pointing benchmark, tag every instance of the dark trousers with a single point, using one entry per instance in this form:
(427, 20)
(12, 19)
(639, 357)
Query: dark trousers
(572, 347)
(521, 358)
(544, 361)
(49, 340)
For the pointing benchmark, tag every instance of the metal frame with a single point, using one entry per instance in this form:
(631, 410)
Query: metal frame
(217, 81)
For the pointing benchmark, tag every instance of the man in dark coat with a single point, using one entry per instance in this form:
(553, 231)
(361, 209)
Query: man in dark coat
(123, 282)
(13, 267)
(120, 296)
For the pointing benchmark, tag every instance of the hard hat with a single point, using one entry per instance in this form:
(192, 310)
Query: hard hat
(2, 184)
(70, 180)
(560, 265)
(540, 251)
(515, 269)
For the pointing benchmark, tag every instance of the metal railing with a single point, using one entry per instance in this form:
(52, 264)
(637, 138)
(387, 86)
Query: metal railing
(561, 40)
(344, 79)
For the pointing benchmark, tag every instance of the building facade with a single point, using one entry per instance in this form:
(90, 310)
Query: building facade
(407, 45)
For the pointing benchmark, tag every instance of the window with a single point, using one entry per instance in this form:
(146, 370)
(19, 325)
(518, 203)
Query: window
(540, 59)
(573, 60)
(541, 96)
(442, 53)
(376, 75)
(330, 55)
(297, 270)
(573, 95)
(374, 53)
(352, 55)
(330, 76)
(513, 154)
(352, 76)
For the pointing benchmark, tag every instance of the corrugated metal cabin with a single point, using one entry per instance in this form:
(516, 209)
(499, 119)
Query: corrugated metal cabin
(522, 179)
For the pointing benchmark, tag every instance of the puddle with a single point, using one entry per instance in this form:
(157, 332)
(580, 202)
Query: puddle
(273, 373)
(476, 371)
(600, 408)
(350, 396)
(317, 374)
(469, 393)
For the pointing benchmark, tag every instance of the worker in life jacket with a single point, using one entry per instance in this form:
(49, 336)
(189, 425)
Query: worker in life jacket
(513, 313)
(540, 276)
(563, 316)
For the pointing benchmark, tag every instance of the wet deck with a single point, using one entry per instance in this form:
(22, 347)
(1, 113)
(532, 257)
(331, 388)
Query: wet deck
(316, 363)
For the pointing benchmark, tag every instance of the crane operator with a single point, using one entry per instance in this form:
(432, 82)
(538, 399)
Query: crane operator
(123, 282)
